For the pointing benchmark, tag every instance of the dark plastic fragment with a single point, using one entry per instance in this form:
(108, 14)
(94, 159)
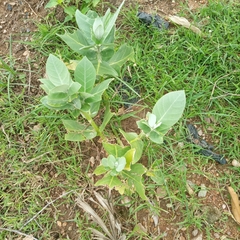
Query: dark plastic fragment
(217, 157)
(156, 20)
(194, 138)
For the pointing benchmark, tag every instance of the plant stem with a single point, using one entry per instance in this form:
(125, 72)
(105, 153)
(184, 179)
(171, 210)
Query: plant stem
(99, 57)
(94, 125)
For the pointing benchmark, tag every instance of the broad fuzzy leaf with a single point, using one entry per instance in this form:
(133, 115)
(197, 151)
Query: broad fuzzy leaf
(78, 131)
(100, 170)
(98, 28)
(85, 74)
(143, 125)
(84, 23)
(53, 3)
(135, 142)
(169, 109)
(51, 105)
(57, 72)
(156, 137)
(111, 181)
(115, 149)
(134, 177)
(123, 54)
(46, 85)
(111, 22)
(97, 91)
(104, 69)
(76, 40)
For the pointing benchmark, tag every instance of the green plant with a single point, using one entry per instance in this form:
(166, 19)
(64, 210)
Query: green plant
(71, 9)
(83, 96)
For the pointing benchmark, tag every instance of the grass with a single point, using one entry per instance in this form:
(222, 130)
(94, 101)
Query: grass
(37, 165)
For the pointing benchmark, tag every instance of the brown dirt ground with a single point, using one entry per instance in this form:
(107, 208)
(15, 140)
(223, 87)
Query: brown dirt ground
(16, 25)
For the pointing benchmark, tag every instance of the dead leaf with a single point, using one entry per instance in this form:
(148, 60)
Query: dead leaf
(185, 23)
(72, 64)
(235, 204)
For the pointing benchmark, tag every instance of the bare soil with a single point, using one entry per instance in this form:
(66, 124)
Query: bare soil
(17, 24)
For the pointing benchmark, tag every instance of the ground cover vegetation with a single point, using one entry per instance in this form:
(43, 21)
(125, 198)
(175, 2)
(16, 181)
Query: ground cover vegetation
(42, 173)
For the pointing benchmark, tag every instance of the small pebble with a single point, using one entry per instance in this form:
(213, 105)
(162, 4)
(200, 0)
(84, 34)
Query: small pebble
(216, 235)
(235, 163)
(224, 206)
(199, 237)
(195, 232)
(169, 205)
(203, 192)
(9, 7)
(59, 223)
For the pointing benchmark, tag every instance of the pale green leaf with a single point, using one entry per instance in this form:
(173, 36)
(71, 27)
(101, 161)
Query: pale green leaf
(84, 23)
(98, 28)
(76, 40)
(100, 170)
(115, 149)
(111, 181)
(109, 162)
(46, 85)
(53, 3)
(143, 125)
(134, 177)
(123, 54)
(107, 117)
(120, 164)
(57, 72)
(73, 126)
(169, 109)
(135, 142)
(129, 155)
(97, 91)
(74, 137)
(85, 74)
(94, 108)
(104, 69)
(156, 137)
(111, 22)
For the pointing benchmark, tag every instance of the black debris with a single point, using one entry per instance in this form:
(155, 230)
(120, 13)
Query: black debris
(155, 20)
(207, 148)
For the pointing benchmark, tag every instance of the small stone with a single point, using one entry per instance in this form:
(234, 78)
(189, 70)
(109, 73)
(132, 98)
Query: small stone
(211, 214)
(199, 237)
(180, 144)
(235, 163)
(195, 232)
(216, 235)
(9, 7)
(169, 205)
(224, 206)
(203, 192)
(59, 223)
(200, 132)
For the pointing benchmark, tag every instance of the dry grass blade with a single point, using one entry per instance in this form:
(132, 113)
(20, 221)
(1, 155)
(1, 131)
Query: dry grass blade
(114, 231)
(87, 208)
(114, 225)
(98, 235)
